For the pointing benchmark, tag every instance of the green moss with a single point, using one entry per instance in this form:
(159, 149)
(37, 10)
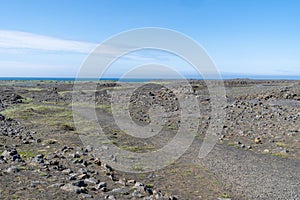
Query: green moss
(282, 155)
(27, 100)
(172, 126)
(149, 147)
(150, 185)
(14, 196)
(224, 195)
(51, 141)
(25, 155)
(281, 144)
(105, 107)
(34, 89)
(45, 117)
(43, 174)
(22, 168)
(131, 148)
(231, 144)
(187, 172)
(138, 167)
(136, 148)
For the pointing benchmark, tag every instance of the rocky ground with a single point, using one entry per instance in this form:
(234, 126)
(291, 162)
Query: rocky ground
(257, 155)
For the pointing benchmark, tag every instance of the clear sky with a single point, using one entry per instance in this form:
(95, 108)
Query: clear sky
(53, 37)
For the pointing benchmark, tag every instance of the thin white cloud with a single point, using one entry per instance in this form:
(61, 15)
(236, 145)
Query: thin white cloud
(15, 41)
(30, 54)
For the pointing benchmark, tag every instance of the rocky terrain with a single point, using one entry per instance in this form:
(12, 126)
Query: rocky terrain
(257, 155)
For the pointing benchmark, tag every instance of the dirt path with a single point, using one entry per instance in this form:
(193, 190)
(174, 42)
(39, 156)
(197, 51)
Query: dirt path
(253, 175)
(247, 174)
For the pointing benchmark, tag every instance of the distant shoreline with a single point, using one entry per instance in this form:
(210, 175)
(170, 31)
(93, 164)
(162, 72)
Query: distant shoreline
(250, 77)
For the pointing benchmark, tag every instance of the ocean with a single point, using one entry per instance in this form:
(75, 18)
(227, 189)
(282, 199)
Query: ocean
(224, 77)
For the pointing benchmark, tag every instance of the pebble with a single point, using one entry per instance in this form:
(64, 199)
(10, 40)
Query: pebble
(92, 181)
(151, 175)
(108, 168)
(137, 193)
(257, 140)
(83, 176)
(131, 181)
(101, 185)
(39, 158)
(266, 151)
(97, 161)
(13, 169)
(67, 171)
(112, 197)
(57, 185)
(71, 188)
(80, 183)
(86, 196)
(88, 148)
(117, 191)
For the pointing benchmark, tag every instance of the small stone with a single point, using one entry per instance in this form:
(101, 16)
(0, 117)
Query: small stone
(77, 161)
(107, 168)
(112, 197)
(92, 181)
(39, 158)
(148, 190)
(138, 184)
(71, 188)
(57, 185)
(113, 158)
(105, 147)
(86, 196)
(85, 163)
(173, 198)
(64, 148)
(113, 177)
(117, 191)
(80, 183)
(123, 181)
(97, 161)
(67, 171)
(72, 177)
(82, 171)
(266, 151)
(83, 176)
(25, 141)
(76, 155)
(12, 169)
(131, 181)
(101, 185)
(2, 161)
(151, 175)
(88, 148)
(284, 151)
(237, 142)
(6, 154)
(137, 194)
(2, 118)
(257, 140)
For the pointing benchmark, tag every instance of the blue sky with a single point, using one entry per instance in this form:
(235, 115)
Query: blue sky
(243, 37)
